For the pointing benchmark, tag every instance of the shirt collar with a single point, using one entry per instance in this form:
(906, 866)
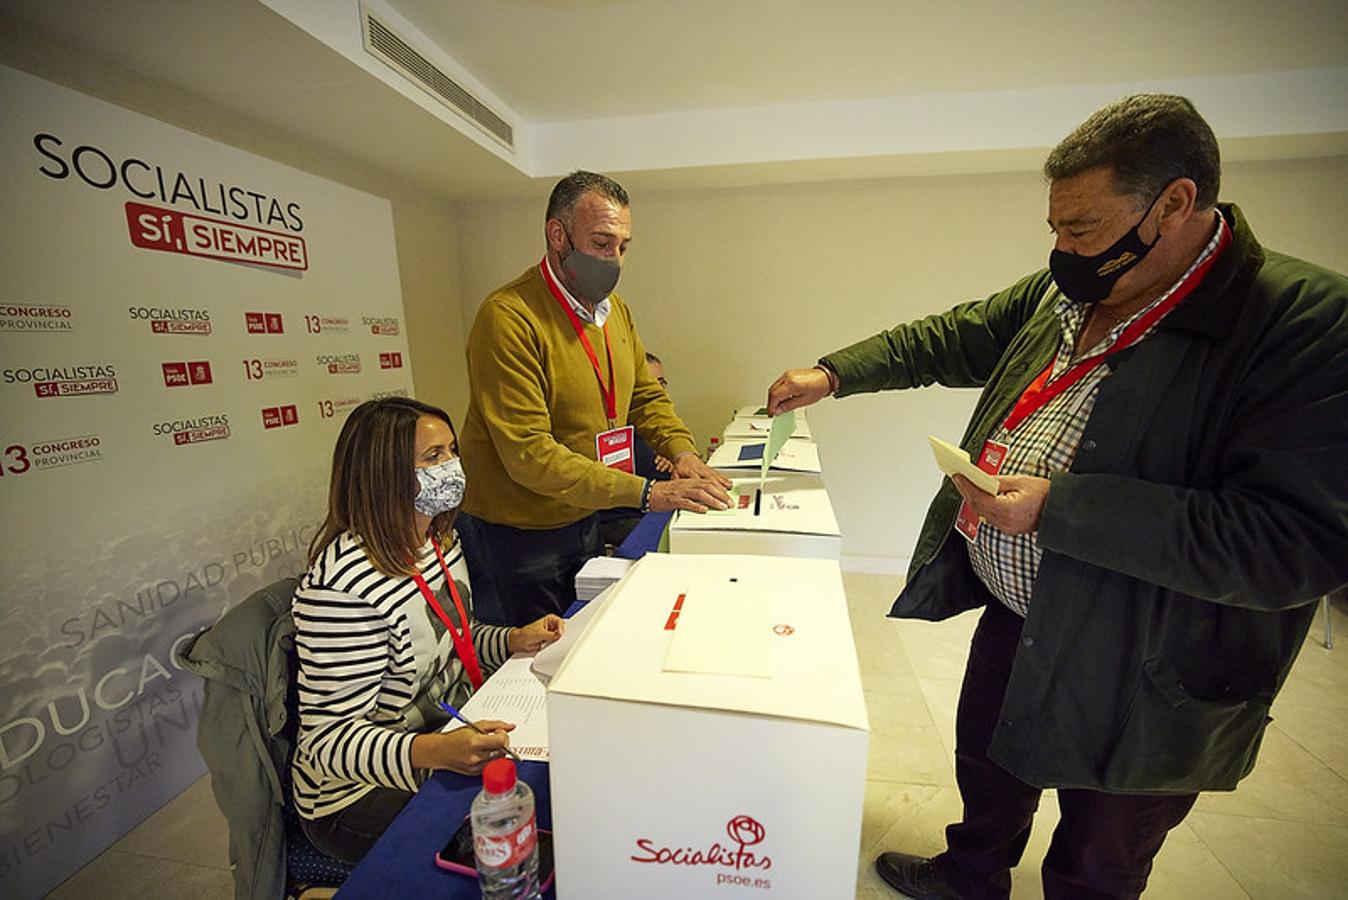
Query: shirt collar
(601, 309)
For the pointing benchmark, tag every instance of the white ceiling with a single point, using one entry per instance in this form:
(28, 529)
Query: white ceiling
(563, 60)
(700, 92)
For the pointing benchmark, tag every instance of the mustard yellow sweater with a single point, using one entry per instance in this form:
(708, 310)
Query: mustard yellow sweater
(535, 408)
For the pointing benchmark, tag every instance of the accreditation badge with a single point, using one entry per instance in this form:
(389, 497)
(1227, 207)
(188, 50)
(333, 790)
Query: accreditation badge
(614, 448)
(991, 461)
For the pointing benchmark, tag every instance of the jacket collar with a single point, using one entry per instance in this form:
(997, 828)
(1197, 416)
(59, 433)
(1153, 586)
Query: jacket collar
(1215, 304)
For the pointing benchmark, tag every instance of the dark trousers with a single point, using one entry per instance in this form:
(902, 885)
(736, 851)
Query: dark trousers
(534, 572)
(1104, 843)
(349, 833)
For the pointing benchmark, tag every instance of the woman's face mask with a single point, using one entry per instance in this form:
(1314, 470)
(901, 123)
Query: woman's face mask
(442, 488)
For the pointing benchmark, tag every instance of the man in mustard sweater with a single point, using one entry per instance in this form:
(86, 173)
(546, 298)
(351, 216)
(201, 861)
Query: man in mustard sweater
(559, 388)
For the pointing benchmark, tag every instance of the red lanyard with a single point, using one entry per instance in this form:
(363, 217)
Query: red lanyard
(1041, 390)
(610, 393)
(463, 642)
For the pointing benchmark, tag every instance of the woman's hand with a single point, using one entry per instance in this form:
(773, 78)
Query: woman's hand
(536, 635)
(462, 750)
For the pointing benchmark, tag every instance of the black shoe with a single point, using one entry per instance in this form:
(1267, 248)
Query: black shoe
(915, 876)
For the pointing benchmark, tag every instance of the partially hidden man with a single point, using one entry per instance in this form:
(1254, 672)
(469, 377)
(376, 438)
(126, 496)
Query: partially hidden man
(1166, 407)
(559, 390)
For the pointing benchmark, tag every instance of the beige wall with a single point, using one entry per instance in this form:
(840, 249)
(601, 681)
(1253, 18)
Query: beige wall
(732, 286)
(426, 231)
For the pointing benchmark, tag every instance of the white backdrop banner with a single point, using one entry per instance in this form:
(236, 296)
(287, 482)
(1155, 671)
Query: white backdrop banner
(183, 327)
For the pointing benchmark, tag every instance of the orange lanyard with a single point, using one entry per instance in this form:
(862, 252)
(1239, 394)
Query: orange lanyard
(610, 392)
(463, 641)
(1041, 391)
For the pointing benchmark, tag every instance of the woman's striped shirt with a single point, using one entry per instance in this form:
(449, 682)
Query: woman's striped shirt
(374, 661)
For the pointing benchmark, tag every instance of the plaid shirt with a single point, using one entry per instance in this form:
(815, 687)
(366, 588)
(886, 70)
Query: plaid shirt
(1047, 442)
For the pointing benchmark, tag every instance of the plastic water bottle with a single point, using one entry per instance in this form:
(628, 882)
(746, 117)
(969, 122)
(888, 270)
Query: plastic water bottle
(505, 837)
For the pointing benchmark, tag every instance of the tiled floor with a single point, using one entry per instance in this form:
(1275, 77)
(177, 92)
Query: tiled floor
(1282, 835)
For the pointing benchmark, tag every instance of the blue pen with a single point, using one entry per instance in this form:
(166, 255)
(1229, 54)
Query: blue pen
(454, 713)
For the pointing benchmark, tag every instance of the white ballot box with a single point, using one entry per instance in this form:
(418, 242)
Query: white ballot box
(737, 458)
(790, 516)
(709, 735)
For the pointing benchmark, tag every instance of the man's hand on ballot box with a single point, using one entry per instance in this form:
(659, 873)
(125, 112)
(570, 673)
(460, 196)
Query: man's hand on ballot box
(692, 494)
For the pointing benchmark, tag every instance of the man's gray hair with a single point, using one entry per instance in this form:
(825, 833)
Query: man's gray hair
(1149, 140)
(567, 193)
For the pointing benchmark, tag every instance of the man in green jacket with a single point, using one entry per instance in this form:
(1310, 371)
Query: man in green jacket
(1167, 410)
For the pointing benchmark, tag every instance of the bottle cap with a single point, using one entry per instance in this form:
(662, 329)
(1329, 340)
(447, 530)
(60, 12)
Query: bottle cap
(499, 776)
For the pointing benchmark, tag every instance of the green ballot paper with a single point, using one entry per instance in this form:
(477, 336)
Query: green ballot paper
(783, 426)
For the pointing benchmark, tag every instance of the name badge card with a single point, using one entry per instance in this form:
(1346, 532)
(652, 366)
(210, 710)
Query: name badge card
(990, 460)
(614, 448)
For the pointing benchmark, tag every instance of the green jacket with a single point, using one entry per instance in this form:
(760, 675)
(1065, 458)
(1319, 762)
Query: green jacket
(245, 661)
(1205, 513)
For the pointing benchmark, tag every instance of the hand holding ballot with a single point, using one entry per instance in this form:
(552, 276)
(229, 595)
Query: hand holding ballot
(1015, 510)
(800, 387)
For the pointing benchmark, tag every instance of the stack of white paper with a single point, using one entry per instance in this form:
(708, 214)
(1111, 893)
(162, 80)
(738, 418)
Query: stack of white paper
(599, 573)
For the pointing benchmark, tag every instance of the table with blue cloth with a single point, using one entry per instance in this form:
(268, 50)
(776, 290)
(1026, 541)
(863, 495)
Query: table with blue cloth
(402, 861)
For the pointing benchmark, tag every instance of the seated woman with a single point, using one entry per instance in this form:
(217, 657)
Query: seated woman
(385, 630)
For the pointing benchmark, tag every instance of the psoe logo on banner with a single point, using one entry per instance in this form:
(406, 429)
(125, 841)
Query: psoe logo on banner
(197, 430)
(36, 317)
(263, 323)
(172, 321)
(385, 325)
(173, 231)
(280, 416)
(19, 459)
(179, 374)
(66, 381)
(729, 859)
(392, 360)
(340, 363)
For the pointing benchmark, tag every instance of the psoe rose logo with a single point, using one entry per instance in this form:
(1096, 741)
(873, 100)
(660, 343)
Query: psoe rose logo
(730, 858)
(65, 381)
(390, 360)
(263, 323)
(280, 416)
(181, 374)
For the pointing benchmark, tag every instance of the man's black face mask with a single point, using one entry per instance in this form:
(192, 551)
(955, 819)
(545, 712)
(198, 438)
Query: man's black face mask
(1089, 279)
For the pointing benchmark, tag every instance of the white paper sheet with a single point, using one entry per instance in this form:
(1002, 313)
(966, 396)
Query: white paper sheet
(724, 628)
(513, 694)
(954, 461)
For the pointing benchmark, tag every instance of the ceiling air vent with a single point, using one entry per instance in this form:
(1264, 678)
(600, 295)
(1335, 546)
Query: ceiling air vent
(383, 43)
